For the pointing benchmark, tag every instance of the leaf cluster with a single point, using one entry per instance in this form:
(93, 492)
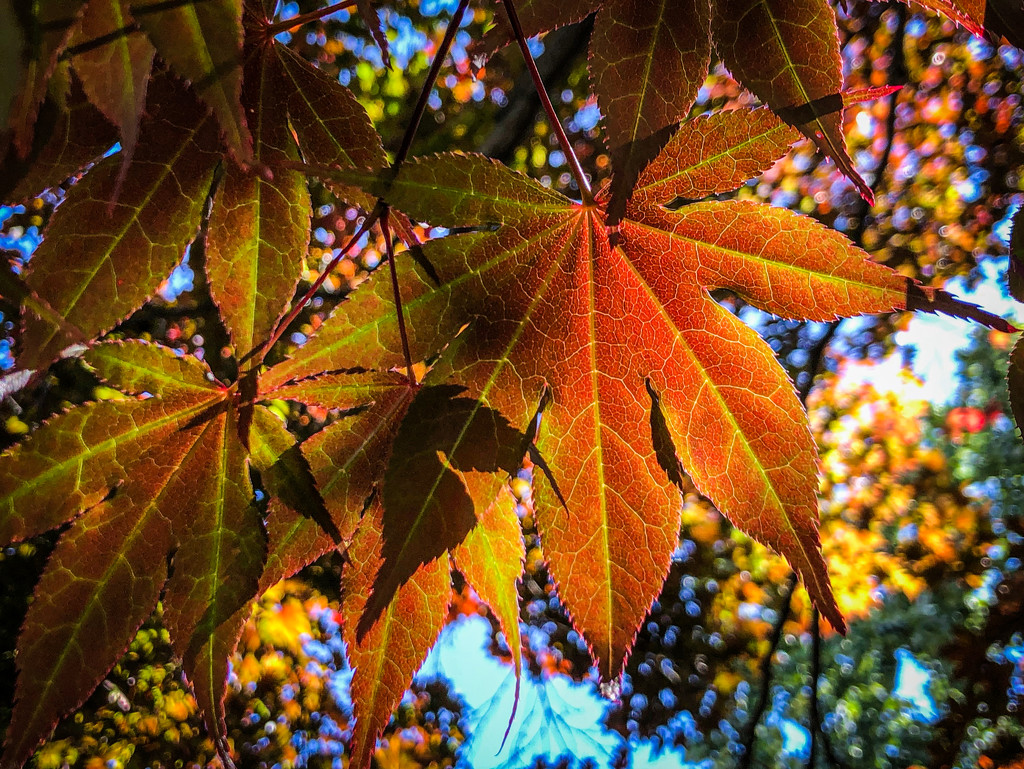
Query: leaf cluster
(579, 336)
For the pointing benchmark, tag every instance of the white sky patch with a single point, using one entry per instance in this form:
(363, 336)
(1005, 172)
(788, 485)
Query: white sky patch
(912, 680)
(938, 337)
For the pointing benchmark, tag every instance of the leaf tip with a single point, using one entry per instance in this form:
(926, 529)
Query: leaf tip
(858, 95)
(512, 715)
(862, 186)
(927, 299)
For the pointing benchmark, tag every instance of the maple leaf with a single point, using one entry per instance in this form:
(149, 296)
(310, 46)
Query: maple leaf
(203, 44)
(299, 527)
(628, 337)
(46, 26)
(94, 279)
(65, 140)
(992, 19)
(773, 47)
(259, 224)
(144, 482)
(385, 657)
(373, 23)
(444, 501)
(345, 462)
(647, 61)
(114, 75)
(396, 595)
(332, 127)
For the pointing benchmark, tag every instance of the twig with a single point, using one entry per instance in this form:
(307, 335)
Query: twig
(98, 42)
(562, 46)
(815, 725)
(815, 358)
(897, 72)
(286, 24)
(287, 320)
(435, 69)
(389, 248)
(556, 125)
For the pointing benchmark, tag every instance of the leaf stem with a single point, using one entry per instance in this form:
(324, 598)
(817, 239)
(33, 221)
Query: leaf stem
(389, 248)
(371, 218)
(295, 21)
(435, 69)
(380, 210)
(99, 42)
(556, 125)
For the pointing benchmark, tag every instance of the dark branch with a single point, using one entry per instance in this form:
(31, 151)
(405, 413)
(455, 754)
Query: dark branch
(766, 675)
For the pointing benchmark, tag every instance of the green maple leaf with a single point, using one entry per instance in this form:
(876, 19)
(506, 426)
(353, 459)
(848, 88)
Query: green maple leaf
(259, 225)
(332, 127)
(144, 482)
(163, 479)
(95, 278)
(152, 201)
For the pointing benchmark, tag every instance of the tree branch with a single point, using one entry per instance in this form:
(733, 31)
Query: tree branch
(815, 725)
(766, 675)
(287, 24)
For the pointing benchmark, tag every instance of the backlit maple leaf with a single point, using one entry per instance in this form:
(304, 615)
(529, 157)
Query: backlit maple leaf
(143, 482)
(639, 360)
(648, 59)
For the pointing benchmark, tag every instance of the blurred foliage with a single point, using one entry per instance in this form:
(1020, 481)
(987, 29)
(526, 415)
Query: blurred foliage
(287, 702)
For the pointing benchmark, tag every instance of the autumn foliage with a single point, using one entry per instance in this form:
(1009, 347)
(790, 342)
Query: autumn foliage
(582, 337)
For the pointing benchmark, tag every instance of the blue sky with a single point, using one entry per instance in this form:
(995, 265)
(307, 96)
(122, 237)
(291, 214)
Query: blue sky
(555, 717)
(558, 716)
